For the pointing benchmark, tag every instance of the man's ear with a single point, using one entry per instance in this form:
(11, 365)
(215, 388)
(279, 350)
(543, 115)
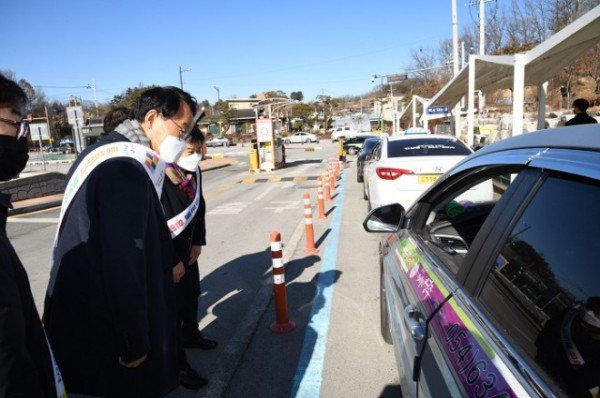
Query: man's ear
(150, 118)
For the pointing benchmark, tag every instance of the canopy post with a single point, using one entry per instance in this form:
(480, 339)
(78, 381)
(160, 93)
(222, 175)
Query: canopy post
(471, 102)
(518, 94)
(542, 94)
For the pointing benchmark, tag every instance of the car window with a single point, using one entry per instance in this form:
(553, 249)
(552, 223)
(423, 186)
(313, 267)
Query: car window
(346, 128)
(544, 289)
(456, 220)
(426, 147)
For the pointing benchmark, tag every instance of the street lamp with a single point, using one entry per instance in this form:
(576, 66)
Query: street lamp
(181, 70)
(218, 93)
(381, 124)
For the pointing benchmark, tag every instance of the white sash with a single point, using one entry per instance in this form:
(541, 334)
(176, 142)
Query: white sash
(61, 391)
(180, 222)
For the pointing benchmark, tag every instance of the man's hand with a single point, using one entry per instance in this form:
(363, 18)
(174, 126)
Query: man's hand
(195, 253)
(178, 272)
(135, 363)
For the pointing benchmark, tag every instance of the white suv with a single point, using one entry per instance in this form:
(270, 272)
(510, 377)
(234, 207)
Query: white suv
(342, 132)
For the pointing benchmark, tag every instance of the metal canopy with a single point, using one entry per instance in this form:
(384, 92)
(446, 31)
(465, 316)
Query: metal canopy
(532, 68)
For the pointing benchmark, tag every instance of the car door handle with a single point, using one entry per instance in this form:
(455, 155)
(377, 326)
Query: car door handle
(415, 323)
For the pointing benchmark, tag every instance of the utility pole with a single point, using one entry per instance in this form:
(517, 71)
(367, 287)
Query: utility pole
(481, 4)
(457, 107)
(93, 87)
(218, 93)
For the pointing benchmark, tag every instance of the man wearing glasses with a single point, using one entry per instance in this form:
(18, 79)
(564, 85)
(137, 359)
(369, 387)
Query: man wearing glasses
(110, 305)
(26, 368)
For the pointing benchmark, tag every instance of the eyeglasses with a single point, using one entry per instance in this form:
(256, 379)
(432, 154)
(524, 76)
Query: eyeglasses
(183, 133)
(22, 126)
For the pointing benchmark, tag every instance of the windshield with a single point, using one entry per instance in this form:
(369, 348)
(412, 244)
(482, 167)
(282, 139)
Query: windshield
(426, 147)
(369, 145)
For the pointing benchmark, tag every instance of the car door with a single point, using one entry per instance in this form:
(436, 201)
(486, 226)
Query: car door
(438, 347)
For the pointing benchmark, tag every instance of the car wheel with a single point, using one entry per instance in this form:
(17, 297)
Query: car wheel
(384, 317)
(287, 142)
(352, 151)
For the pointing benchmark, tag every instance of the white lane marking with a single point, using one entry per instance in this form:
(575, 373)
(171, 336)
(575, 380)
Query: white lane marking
(265, 192)
(288, 184)
(286, 205)
(32, 220)
(229, 208)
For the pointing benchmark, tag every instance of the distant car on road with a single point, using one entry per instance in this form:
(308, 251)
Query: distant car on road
(498, 297)
(213, 142)
(301, 137)
(343, 132)
(403, 167)
(62, 148)
(364, 155)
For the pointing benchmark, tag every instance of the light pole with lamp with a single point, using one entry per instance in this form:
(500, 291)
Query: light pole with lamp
(218, 93)
(181, 70)
(381, 125)
(218, 100)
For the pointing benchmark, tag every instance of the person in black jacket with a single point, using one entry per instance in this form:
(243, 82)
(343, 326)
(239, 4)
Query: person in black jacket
(580, 107)
(110, 304)
(179, 193)
(26, 368)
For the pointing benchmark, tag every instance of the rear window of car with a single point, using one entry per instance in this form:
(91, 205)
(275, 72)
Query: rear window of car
(370, 144)
(426, 147)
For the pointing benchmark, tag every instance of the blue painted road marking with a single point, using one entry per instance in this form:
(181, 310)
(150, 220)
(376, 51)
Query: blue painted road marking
(307, 381)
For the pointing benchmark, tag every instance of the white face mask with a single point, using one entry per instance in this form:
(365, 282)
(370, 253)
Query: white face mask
(190, 163)
(171, 149)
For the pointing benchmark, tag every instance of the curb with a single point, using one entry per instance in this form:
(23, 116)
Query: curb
(221, 166)
(232, 354)
(36, 207)
(57, 203)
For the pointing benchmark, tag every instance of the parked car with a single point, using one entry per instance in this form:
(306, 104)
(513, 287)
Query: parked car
(498, 298)
(353, 145)
(403, 167)
(62, 148)
(215, 141)
(364, 155)
(343, 132)
(301, 137)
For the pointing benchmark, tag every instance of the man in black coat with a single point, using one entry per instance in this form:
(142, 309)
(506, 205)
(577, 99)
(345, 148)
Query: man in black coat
(110, 310)
(26, 368)
(580, 107)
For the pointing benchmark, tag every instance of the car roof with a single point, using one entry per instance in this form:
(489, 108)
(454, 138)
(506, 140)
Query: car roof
(582, 137)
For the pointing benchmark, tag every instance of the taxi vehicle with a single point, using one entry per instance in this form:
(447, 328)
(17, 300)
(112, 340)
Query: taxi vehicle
(499, 298)
(403, 167)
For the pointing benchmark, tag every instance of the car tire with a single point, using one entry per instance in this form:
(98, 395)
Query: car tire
(384, 317)
(352, 151)
(287, 142)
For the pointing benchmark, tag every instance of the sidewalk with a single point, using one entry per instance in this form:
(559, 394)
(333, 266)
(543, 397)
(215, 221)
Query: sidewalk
(47, 202)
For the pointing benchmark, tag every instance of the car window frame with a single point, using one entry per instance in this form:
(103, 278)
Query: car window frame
(480, 275)
(419, 213)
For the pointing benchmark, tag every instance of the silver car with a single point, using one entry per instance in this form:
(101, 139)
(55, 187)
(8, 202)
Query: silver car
(499, 297)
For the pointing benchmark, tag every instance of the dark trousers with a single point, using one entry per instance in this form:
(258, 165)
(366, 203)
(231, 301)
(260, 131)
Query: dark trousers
(188, 291)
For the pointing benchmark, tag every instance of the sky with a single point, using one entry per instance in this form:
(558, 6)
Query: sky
(242, 47)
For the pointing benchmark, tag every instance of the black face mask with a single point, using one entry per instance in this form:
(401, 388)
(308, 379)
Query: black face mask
(13, 156)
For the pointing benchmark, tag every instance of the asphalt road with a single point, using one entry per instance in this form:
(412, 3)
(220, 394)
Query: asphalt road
(242, 210)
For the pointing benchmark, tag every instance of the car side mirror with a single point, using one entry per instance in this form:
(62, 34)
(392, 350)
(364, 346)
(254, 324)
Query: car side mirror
(387, 218)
